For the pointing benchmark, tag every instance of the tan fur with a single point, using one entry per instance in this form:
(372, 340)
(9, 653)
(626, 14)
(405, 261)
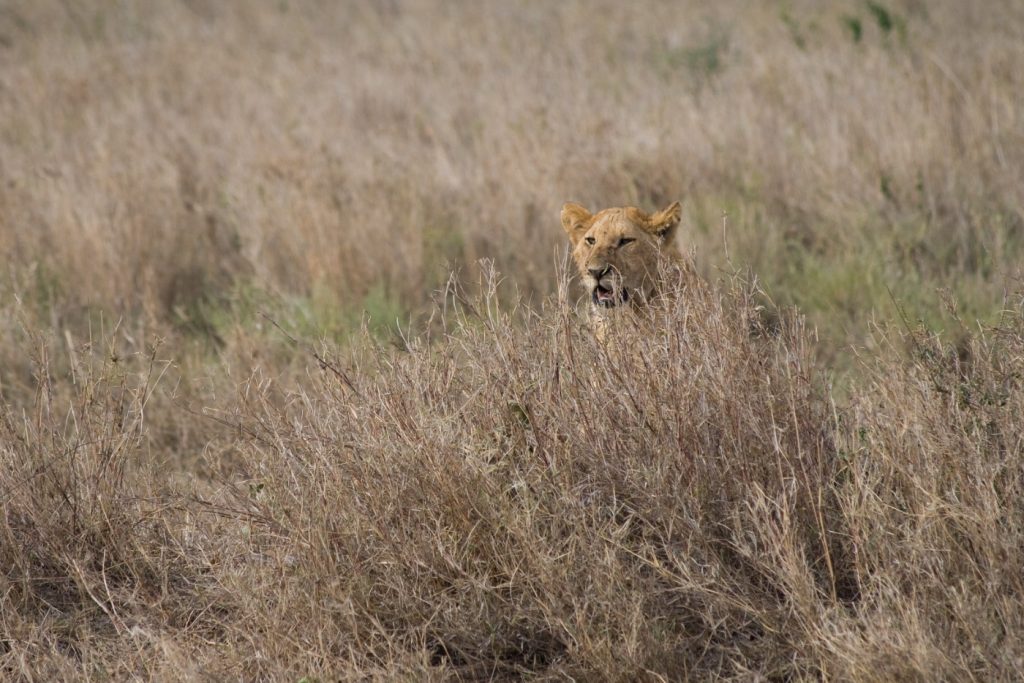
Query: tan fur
(617, 253)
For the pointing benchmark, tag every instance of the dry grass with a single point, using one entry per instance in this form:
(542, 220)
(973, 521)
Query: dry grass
(494, 495)
(515, 500)
(352, 155)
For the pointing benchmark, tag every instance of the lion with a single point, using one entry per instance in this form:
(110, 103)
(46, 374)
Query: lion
(619, 253)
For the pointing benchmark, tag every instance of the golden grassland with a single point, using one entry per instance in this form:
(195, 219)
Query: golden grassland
(252, 428)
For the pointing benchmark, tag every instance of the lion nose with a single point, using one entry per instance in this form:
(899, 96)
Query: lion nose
(599, 272)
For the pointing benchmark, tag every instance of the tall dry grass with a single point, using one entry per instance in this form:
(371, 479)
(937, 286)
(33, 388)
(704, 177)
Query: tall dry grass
(157, 157)
(220, 457)
(514, 500)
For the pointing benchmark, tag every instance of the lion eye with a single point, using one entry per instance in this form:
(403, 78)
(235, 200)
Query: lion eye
(590, 240)
(626, 240)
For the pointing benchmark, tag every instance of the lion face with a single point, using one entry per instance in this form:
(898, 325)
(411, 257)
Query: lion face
(617, 250)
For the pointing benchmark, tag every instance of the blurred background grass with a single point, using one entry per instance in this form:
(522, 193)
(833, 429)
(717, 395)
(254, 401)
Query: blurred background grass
(180, 166)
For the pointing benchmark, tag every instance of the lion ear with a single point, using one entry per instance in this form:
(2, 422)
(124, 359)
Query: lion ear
(664, 223)
(574, 221)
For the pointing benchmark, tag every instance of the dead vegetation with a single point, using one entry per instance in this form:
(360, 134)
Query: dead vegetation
(250, 431)
(515, 500)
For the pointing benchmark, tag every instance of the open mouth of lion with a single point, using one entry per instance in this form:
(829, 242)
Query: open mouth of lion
(609, 298)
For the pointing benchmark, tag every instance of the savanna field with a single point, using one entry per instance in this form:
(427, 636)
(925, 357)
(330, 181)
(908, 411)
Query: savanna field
(296, 385)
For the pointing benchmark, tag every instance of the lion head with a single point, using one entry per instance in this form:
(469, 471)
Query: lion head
(617, 250)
